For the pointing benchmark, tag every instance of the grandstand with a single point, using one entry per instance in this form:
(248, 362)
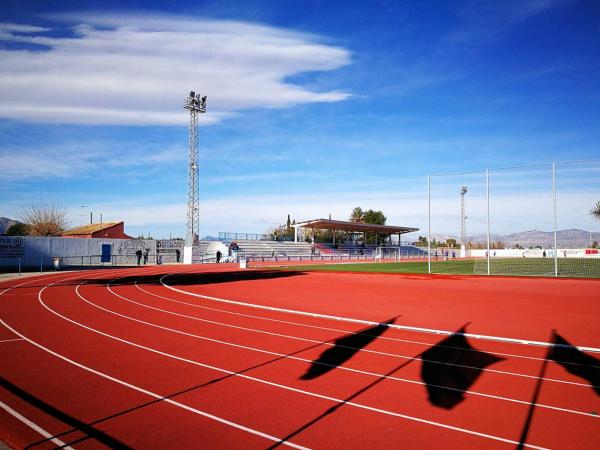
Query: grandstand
(261, 249)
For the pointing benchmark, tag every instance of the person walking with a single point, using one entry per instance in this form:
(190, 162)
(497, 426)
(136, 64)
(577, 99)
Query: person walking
(138, 254)
(177, 254)
(146, 253)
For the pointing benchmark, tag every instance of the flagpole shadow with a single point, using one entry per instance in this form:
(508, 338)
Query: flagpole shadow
(348, 399)
(573, 361)
(196, 387)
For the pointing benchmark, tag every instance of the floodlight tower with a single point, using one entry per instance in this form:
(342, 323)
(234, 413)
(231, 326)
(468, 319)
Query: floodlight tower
(463, 219)
(195, 105)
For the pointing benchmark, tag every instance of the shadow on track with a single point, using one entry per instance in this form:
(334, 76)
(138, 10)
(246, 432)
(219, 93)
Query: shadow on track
(187, 279)
(344, 349)
(184, 391)
(573, 361)
(451, 367)
(77, 424)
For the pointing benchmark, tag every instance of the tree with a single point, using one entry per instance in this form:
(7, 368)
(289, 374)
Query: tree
(451, 243)
(44, 219)
(595, 211)
(18, 229)
(374, 217)
(357, 215)
(283, 232)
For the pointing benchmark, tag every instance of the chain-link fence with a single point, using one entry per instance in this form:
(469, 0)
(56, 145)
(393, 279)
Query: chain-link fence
(530, 220)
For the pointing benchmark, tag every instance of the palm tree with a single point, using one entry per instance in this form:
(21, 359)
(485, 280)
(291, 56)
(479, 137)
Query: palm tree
(595, 211)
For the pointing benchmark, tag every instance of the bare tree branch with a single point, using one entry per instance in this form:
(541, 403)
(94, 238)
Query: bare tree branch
(44, 219)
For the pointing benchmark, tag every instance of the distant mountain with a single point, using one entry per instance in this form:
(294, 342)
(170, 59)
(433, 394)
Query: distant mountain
(6, 223)
(572, 238)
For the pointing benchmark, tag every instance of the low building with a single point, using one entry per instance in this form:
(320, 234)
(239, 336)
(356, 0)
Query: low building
(112, 230)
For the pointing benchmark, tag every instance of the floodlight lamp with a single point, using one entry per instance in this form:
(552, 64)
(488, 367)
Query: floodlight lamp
(192, 94)
(464, 190)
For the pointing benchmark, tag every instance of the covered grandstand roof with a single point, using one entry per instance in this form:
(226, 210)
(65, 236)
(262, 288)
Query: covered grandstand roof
(328, 224)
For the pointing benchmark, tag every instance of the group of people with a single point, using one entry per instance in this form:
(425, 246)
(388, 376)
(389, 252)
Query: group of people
(145, 254)
(233, 249)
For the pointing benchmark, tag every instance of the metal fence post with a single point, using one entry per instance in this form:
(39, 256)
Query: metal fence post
(487, 193)
(555, 220)
(41, 264)
(19, 265)
(428, 223)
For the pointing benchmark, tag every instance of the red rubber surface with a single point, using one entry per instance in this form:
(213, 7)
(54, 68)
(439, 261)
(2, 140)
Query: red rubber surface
(245, 365)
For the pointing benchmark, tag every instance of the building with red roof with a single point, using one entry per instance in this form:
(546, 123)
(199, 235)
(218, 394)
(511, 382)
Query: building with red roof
(111, 230)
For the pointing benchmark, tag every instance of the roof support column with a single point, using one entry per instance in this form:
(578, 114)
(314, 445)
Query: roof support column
(333, 232)
(295, 233)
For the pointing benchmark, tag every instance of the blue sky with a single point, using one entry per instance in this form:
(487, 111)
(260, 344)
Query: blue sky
(314, 107)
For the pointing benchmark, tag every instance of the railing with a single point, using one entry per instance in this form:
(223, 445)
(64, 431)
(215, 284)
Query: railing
(43, 264)
(228, 236)
(375, 254)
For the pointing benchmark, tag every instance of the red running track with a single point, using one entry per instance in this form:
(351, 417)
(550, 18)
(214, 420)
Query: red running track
(161, 357)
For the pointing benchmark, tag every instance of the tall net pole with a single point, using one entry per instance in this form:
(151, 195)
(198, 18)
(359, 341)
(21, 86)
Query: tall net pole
(428, 224)
(555, 219)
(195, 105)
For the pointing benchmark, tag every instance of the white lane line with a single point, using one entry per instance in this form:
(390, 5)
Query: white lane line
(369, 322)
(313, 341)
(152, 394)
(139, 389)
(136, 388)
(11, 340)
(34, 426)
(281, 386)
(287, 322)
(309, 361)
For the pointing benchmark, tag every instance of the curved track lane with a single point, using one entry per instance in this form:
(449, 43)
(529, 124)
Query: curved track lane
(115, 357)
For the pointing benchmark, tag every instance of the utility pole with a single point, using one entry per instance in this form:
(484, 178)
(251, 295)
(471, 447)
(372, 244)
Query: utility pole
(81, 214)
(195, 105)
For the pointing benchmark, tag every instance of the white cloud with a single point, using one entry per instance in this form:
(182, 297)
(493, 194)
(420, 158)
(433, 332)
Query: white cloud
(137, 69)
(79, 160)
(485, 21)
(258, 213)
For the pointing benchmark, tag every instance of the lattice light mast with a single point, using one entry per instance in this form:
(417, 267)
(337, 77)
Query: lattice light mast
(195, 105)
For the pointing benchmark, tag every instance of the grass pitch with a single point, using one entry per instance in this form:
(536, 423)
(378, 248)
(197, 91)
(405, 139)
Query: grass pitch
(567, 267)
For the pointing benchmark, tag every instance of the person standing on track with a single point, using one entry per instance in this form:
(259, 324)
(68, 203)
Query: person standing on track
(146, 253)
(138, 254)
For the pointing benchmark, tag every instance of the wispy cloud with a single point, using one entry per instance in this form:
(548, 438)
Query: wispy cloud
(404, 205)
(136, 69)
(73, 161)
(485, 21)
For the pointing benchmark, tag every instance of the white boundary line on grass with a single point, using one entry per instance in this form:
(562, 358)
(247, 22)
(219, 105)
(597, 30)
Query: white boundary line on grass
(369, 322)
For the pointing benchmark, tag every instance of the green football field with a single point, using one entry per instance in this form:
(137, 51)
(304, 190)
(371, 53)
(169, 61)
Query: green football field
(567, 267)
